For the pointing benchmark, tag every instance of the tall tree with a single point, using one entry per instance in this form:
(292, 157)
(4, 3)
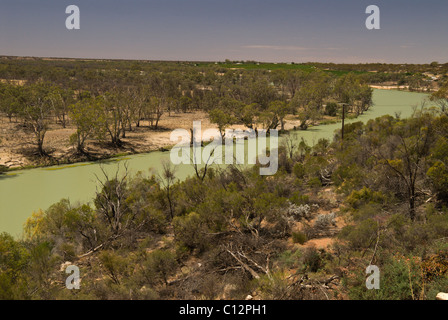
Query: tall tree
(440, 97)
(60, 101)
(36, 112)
(113, 115)
(222, 120)
(403, 153)
(86, 114)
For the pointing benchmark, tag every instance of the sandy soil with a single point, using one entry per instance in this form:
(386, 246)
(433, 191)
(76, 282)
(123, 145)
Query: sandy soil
(434, 88)
(333, 206)
(390, 87)
(18, 149)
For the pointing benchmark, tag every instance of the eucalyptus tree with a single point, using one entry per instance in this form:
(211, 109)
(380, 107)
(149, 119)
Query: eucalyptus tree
(351, 90)
(249, 115)
(259, 90)
(140, 104)
(113, 115)
(156, 110)
(87, 116)
(11, 97)
(222, 119)
(288, 81)
(128, 99)
(36, 111)
(275, 115)
(403, 147)
(364, 98)
(60, 100)
(440, 97)
(185, 102)
(279, 109)
(346, 89)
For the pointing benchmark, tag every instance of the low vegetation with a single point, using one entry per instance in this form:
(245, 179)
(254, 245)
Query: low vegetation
(236, 233)
(376, 195)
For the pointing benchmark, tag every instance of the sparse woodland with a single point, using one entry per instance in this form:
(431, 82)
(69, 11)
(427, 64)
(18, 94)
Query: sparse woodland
(104, 101)
(378, 196)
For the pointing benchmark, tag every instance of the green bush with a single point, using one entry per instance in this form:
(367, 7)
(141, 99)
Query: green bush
(331, 109)
(438, 175)
(312, 259)
(159, 264)
(365, 196)
(299, 170)
(116, 266)
(289, 259)
(299, 199)
(299, 237)
(188, 230)
(360, 236)
(400, 279)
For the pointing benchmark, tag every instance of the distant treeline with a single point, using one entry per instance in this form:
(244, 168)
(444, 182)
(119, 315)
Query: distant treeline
(228, 234)
(106, 99)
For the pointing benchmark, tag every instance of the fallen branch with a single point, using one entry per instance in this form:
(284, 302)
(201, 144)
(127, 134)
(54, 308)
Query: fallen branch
(244, 265)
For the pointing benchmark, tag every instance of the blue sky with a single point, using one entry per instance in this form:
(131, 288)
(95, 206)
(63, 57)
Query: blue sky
(412, 31)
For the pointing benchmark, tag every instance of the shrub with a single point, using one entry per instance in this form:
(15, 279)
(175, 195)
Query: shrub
(400, 279)
(312, 259)
(299, 237)
(436, 286)
(325, 221)
(299, 212)
(114, 265)
(299, 199)
(187, 230)
(299, 170)
(289, 259)
(155, 220)
(365, 196)
(360, 236)
(159, 264)
(435, 266)
(68, 251)
(331, 109)
(274, 287)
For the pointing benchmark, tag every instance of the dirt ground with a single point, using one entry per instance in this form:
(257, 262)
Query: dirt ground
(18, 147)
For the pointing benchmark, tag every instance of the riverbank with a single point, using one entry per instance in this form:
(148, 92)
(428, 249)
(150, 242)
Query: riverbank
(17, 150)
(403, 88)
(43, 187)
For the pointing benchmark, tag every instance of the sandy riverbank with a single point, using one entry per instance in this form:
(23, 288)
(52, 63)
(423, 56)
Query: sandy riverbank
(18, 150)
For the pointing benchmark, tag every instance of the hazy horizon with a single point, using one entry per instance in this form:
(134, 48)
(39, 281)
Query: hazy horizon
(207, 30)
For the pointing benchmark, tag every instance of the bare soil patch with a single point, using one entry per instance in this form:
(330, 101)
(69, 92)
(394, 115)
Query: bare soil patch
(18, 148)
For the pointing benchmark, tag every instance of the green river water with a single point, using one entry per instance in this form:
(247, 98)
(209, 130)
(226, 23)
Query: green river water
(25, 191)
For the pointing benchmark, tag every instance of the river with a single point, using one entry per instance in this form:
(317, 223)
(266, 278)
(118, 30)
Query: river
(25, 191)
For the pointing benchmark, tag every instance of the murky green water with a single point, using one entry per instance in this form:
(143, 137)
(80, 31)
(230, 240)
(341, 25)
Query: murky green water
(23, 192)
